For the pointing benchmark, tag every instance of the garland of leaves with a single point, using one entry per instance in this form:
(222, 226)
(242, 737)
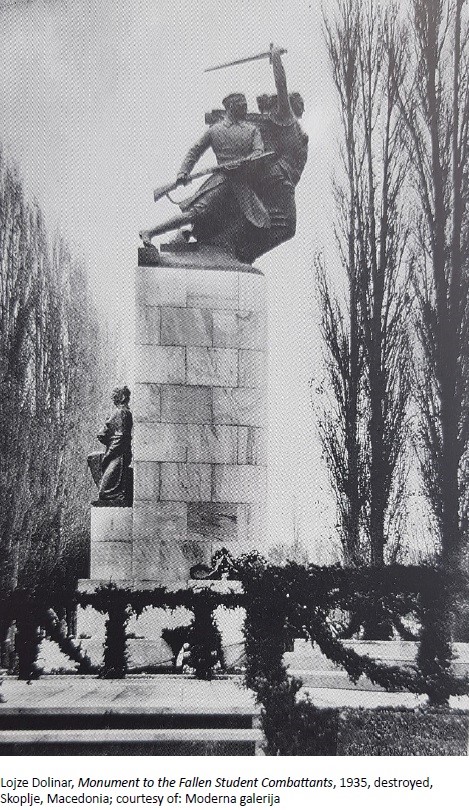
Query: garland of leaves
(34, 617)
(205, 644)
(28, 640)
(66, 644)
(302, 598)
(291, 600)
(203, 635)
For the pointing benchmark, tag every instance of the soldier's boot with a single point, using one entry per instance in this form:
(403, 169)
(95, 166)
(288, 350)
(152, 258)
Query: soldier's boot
(170, 225)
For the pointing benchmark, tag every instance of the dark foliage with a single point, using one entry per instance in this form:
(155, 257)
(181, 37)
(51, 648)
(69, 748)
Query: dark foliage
(28, 639)
(205, 649)
(402, 732)
(205, 652)
(302, 600)
(54, 629)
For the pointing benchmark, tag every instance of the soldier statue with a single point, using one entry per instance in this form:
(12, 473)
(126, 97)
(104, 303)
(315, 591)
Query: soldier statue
(284, 135)
(232, 140)
(247, 206)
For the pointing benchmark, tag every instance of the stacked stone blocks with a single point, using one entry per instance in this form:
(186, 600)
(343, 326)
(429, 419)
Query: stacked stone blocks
(199, 406)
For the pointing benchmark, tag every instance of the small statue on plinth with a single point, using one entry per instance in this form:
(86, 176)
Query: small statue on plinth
(247, 206)
(111, 470)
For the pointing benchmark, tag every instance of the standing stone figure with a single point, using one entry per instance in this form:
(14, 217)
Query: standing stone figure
(115, 488)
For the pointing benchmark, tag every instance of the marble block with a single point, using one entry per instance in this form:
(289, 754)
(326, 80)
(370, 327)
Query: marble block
(239, 406)
(252, 292)
(166, 561)
(111, 523)
(207, 366)
(153, 521)
(111, 561)
(239, 330)
(147, 325)
(146, 481)
(252, 445)
(199, 405)
(156, 288)
(252, 369)
(213, 521)
(186, 404)
(212, 289)
(186, 326)
(162, 550)
(216, 444)
(146, 402)
(185, 482)
(160, 364)
(239, 484)
(160, 442)
(251, 527)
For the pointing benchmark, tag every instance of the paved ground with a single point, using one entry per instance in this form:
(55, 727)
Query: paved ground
(177, 694)
(325, 684)
(162, 693)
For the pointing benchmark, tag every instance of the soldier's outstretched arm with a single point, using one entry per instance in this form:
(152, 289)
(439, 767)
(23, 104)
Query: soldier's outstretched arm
(280, 78)
(194, 154)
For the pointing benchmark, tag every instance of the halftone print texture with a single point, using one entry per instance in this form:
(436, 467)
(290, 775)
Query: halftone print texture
(314, 411)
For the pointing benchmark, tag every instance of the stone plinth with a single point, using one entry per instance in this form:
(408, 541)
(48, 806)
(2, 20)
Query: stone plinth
(199, 407)
(111, 542)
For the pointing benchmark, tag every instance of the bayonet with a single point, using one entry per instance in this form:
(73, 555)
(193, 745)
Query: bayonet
(265, 55)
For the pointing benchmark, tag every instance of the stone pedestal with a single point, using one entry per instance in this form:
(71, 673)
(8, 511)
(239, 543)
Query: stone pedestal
(111, 542)
(199, 445)
(199, 407)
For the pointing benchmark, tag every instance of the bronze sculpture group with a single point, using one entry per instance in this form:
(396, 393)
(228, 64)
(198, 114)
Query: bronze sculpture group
(247, 207)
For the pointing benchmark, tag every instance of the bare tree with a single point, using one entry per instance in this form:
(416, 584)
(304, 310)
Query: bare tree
(435, 109)
(52, 384)
(340, 427)
(16, 313)
(367, 344)
(382, 236)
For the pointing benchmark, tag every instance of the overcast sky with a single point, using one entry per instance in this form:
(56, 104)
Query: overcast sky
(99, 101)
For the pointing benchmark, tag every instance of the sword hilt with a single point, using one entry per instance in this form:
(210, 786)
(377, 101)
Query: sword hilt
(271, 49)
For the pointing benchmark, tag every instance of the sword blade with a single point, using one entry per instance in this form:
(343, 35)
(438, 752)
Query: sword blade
(265, 55)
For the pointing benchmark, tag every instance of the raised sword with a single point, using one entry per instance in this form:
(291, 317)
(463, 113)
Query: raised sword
(264, 55)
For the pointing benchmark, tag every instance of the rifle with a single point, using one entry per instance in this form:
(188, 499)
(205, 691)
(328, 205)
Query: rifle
(161, 191)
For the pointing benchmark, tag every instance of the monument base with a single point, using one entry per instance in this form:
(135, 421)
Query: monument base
(199, 405)
(111, 542)
(192, 256)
